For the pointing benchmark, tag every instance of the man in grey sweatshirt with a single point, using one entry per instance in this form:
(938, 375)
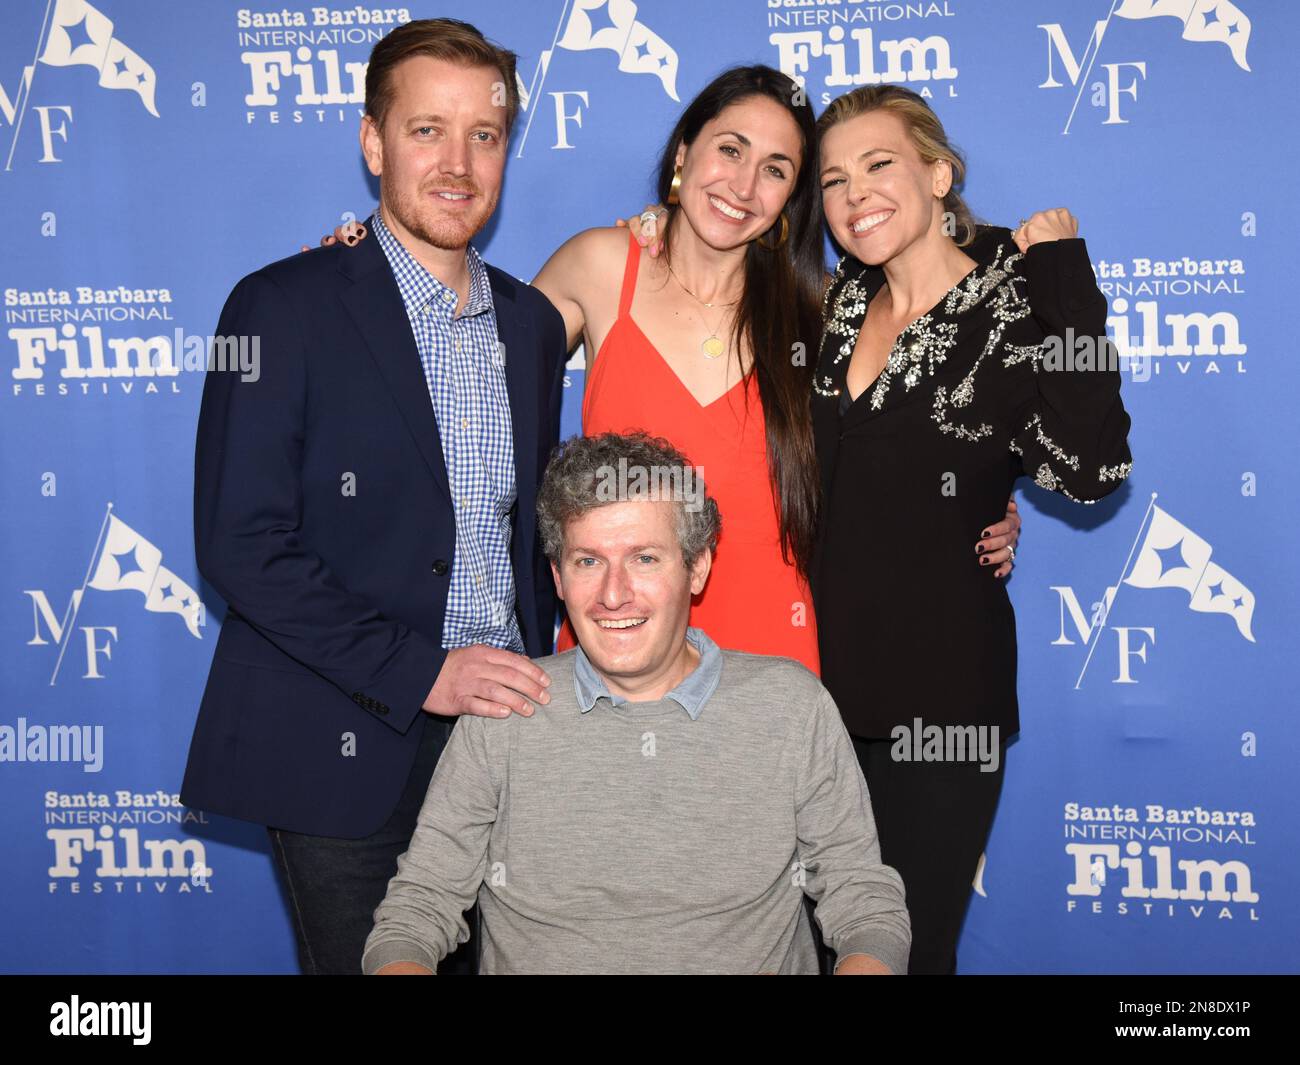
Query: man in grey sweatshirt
(669, 807)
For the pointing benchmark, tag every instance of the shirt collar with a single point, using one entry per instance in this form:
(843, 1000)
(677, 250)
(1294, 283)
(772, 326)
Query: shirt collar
(420, 289)
(691, 694)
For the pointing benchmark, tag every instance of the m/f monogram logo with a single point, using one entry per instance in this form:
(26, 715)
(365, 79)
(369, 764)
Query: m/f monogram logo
(123, 560)
(1131, 642)
(73, 34)
(604, 25)
(1203, 20)
(1168, 555)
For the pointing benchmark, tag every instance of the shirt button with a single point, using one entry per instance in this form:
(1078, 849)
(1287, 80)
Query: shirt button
(464, 501)
(464, 423)
(479, 580)
(458, 343)
(448, 296)
(440, 566)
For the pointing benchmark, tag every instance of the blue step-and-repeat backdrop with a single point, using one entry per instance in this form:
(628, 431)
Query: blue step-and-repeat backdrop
(155, 151)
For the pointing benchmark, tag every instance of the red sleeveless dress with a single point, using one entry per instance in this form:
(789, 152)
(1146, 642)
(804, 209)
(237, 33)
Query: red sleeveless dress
(753, 600)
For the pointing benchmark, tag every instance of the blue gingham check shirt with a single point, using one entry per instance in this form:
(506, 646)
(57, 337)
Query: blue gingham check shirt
(465, 372)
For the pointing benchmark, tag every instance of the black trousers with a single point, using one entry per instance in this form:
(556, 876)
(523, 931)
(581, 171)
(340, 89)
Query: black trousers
(333, 886)
(933, 820)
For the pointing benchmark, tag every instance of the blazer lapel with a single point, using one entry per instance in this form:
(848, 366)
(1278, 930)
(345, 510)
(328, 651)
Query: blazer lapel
(522, 388)
(376, 306)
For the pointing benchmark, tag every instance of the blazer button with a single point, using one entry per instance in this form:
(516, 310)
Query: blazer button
(440, 566)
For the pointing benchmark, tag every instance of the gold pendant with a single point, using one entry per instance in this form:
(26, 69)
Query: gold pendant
(712, 347)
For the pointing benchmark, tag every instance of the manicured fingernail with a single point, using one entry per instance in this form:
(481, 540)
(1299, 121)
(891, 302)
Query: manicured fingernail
(979, 549)
(984, 561)
(984, 534)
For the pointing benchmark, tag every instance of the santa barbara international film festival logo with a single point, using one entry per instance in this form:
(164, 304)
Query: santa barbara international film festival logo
(829, 47)
(308, 66)
(1132, 861)
(1118, 89)
(1168, 555)
(68, 343)
(122, 560)
(72, 34)
(127, 842)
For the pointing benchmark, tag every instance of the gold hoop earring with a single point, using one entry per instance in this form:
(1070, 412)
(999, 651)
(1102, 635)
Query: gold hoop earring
(675, 187)
(785, 232)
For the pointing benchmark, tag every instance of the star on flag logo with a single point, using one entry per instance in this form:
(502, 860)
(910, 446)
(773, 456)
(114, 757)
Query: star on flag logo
(82, 35)
(1172, 556)
(130, 562)
(613, 24)
(1203, 20)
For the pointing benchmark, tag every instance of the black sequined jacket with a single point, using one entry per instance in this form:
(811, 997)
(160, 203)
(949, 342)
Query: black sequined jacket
(1009, 375)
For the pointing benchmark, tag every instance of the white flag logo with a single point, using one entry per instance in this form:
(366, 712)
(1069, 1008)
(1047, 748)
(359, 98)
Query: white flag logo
(129, 562)
(613, 24)
(1203, 20)
(81, 34)
(1172, 556)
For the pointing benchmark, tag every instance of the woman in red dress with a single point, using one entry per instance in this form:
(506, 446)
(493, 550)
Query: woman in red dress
(702, 344)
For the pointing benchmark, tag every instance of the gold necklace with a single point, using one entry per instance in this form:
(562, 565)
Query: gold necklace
(712, 345)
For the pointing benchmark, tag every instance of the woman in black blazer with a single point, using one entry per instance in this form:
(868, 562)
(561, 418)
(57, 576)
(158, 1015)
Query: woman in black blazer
(951, 364)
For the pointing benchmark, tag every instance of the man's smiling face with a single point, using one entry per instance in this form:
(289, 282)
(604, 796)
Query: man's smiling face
(628, 592)
(441, 152)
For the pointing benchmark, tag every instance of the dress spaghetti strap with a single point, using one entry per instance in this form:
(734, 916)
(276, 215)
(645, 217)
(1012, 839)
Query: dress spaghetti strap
(629, 276)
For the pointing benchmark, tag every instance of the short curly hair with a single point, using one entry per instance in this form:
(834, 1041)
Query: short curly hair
(586, 472)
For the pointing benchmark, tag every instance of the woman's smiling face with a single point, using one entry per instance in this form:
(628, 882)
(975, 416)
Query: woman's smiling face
(739, 171)
(878, 195)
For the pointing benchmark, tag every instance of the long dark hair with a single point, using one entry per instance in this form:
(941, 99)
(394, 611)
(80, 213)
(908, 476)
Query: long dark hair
(780, 306)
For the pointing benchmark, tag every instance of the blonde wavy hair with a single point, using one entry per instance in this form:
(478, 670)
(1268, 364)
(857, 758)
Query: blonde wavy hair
(927, 135)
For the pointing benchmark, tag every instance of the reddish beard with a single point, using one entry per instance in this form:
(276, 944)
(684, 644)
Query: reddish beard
(434, 228)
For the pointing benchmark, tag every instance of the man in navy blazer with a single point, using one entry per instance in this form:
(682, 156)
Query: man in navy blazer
(354, 504)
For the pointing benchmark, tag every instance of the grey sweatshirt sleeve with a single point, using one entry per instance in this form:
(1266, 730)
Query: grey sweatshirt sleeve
(860, 904)
(422, 917)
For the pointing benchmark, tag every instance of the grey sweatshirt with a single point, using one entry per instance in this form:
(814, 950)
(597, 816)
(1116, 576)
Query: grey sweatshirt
(636, 838)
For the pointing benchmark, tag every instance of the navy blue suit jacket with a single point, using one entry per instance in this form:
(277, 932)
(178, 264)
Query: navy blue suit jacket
(311, 716)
